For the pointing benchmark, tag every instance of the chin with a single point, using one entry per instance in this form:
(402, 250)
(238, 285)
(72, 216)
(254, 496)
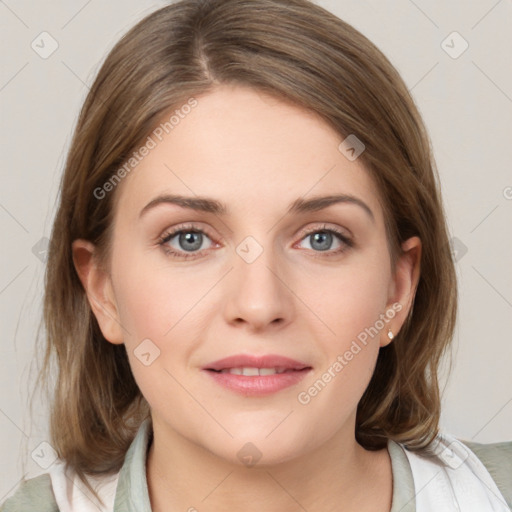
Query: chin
(260, 450)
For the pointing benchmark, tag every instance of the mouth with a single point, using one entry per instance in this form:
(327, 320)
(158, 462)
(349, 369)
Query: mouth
(255, 372)
(257, 375)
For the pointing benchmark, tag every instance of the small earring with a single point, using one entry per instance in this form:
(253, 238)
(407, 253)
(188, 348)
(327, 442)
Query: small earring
(390, 334)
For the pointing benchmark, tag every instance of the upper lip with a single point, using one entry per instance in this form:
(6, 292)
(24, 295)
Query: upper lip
(254, 361)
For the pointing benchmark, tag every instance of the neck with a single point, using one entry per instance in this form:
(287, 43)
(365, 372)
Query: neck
(340, 475)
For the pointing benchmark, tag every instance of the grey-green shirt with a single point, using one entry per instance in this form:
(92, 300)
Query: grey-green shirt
(36, 494)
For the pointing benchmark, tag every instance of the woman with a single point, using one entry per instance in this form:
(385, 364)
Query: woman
(249, 284)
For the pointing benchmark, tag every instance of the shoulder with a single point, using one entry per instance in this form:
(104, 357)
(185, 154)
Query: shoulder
(497, 458)
(33, 495)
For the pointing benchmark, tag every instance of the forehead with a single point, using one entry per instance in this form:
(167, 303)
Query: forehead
(253, 152)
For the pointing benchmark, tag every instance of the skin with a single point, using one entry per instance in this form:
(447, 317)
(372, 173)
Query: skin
(256, 154)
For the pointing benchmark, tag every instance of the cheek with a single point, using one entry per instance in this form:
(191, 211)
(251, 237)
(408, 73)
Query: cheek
(155, 312)
(347, 300)
(160, 311)
(352, 308)
(152, 300)
(351, 303)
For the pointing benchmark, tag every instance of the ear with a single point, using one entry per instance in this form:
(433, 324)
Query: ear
(402, 289)
(97, 284)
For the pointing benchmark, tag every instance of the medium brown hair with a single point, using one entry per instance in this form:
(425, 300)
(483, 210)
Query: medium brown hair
(300, 53)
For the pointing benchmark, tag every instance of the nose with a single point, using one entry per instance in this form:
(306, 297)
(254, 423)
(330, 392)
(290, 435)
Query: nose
(259, 296)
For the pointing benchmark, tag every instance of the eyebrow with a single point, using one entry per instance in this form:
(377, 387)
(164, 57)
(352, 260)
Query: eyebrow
(209, 205)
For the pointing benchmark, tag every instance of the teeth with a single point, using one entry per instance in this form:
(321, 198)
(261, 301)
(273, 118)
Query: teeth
(253, 372)
(250, 372)
(268, 371)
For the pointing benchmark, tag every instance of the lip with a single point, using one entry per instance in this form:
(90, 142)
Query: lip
(294, 372)
(253, 361)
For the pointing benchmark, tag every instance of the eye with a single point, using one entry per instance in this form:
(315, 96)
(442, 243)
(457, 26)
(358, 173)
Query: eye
(322, 239)
(184, 242)
(189, 241)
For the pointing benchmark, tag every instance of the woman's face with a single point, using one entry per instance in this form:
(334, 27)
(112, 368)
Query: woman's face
(262, 270)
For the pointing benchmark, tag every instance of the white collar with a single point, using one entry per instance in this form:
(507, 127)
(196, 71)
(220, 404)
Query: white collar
(451, 478)
(71, 494)
(447, 478)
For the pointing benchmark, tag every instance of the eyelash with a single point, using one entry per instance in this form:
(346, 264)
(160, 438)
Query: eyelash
(166, 237)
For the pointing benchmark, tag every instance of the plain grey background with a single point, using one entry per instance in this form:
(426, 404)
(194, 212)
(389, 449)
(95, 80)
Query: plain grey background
(454, 57)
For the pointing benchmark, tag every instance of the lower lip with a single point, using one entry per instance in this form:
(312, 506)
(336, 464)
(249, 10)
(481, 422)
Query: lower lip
(260, 385)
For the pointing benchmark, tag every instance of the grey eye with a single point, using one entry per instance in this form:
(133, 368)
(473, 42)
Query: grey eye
(190, 241)
(186, 240)
(321, 240)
